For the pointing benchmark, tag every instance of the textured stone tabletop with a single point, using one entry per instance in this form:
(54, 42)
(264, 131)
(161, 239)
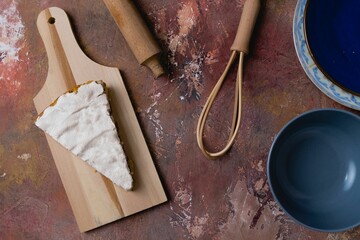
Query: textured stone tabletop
(224, 199)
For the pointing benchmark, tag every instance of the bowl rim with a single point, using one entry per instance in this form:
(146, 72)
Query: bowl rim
(276, 138)
(327, 75)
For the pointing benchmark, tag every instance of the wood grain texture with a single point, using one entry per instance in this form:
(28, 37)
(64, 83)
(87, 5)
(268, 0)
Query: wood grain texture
(94, 199)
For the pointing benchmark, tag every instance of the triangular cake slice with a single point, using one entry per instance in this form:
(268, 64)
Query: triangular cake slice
(81, 121)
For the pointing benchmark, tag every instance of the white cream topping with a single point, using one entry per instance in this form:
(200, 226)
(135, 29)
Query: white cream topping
(82, 123)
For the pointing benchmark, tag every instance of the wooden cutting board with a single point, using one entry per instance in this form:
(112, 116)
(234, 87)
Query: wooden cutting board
(94, 199)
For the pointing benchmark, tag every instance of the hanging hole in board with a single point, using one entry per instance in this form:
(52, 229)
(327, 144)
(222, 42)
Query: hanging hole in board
(51, 20)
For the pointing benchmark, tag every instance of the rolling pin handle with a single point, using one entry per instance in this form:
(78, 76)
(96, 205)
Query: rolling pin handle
(136, 33)
(246, 26)
(153, 63)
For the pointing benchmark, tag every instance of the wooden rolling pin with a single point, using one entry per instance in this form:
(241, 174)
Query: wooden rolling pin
(136, 34)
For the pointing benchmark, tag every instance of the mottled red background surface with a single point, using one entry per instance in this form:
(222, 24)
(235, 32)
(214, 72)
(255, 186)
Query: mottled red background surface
(226, 199)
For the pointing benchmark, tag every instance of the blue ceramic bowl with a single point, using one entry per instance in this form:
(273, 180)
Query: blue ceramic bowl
(333, 38)
(312, 169)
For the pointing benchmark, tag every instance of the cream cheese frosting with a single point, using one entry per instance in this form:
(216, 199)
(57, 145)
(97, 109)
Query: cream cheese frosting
(82, 123)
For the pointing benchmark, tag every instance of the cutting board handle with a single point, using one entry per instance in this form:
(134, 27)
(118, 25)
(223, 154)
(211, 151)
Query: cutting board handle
(67, 61)
(55, 30)
(48, 23)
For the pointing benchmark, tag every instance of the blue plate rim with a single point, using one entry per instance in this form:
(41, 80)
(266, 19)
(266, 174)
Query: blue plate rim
(269, 161)
(311, 52)
(312, 71)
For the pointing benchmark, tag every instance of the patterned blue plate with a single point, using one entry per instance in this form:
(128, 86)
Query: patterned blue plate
(323, 82)
(333, 38)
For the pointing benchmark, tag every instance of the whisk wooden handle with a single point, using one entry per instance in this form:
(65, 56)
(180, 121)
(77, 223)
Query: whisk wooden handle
(246, 26)
(136, 34)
